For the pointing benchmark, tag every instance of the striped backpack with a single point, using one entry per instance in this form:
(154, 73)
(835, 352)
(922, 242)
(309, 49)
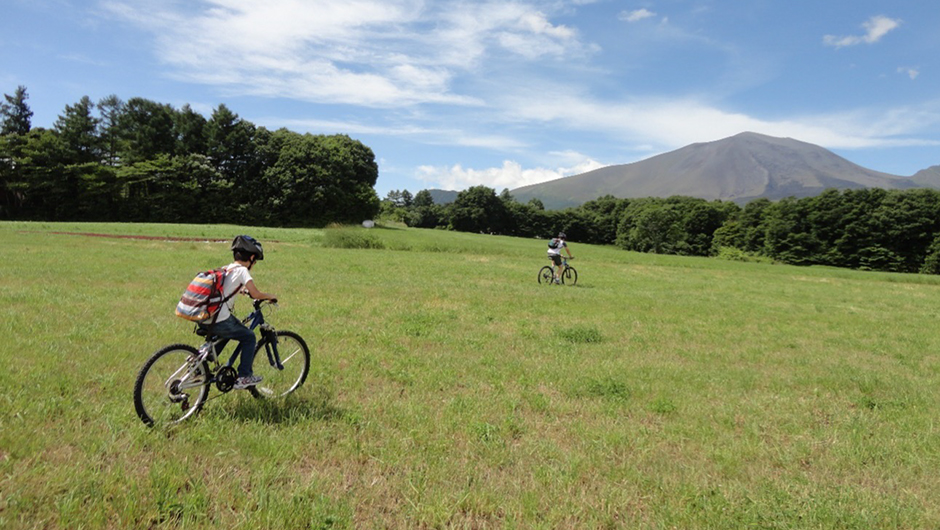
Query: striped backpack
(203, 298)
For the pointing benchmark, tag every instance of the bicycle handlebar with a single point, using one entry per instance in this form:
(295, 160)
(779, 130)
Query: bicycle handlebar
(258, 303)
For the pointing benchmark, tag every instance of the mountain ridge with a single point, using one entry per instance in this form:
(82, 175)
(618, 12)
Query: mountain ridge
(739, 168)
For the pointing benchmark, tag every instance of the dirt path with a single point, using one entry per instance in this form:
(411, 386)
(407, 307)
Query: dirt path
(149, 238)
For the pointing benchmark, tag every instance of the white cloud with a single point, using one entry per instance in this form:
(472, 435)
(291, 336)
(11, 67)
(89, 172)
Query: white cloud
(876, 27)
(535, 22)
(426, 134)
(911, 72)
(675, 123)
(636, 15)
(375, 53)
(510, 175)
(466, 33)
(346, 127)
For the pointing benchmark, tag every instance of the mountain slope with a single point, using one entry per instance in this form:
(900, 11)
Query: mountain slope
(443, 196)
(929, 177)
(740, 168)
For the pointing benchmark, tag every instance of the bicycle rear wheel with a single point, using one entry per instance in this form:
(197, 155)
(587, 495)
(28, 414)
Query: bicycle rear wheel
(171, 386)
(546, 275)
(570, 276)
(294, 357)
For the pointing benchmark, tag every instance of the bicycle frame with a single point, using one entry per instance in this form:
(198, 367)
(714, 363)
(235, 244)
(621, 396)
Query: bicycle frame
(268, 341)
(562, 267)
(183, 385)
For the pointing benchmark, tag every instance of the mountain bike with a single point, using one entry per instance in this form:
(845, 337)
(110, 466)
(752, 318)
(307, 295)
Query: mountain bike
(174, 383)
(569, 276)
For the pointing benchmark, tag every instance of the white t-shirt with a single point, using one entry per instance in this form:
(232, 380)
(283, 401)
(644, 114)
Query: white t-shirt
(557, 251)
(236, 278)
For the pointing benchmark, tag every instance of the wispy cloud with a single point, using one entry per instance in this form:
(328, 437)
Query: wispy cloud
(875, 28)
(636, 15)
(346, 127)
(912, 72)
(377, 53)
(426, 134)
(673, 123)
(83, 59)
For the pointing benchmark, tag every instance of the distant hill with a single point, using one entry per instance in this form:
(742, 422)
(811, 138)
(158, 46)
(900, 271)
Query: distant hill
(741, 168)
(929, 177)
(443, 196)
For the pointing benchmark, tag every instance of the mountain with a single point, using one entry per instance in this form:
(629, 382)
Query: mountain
(928, 178)
(741, 168)
(443, 196)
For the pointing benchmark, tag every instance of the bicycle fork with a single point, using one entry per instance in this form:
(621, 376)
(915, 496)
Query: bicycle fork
(269, 341)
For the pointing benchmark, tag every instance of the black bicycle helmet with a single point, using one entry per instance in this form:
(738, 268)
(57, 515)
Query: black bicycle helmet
(561, 235)
(248, 244)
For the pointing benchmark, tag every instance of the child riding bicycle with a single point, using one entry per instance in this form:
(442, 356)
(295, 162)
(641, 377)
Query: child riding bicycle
(246, 252)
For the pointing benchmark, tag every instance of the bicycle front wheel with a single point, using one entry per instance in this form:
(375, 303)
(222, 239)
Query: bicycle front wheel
(570, 276)
(294, 357)
(546, 275)
(171, 386)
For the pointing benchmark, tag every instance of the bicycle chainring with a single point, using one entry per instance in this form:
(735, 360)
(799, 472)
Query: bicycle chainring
(225, 379)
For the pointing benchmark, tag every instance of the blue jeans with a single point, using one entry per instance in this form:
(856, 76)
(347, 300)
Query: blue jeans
(232, 329)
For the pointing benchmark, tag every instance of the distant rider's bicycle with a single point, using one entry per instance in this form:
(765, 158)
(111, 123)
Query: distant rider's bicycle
(568, 275)
(174, 383)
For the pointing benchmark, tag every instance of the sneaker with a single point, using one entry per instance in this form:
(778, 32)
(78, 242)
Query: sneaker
(247, 381)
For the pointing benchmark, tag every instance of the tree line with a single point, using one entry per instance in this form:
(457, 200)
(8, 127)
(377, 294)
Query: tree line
(143, 161)
(870, 229)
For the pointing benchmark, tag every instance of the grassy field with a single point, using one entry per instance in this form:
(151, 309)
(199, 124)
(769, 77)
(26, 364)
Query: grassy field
(450, 390)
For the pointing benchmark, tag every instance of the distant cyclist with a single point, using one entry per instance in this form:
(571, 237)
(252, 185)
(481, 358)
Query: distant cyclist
(554, 253)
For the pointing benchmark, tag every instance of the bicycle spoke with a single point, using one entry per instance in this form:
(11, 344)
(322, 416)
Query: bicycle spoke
(161, 400)
(294, 366)
(291, 356)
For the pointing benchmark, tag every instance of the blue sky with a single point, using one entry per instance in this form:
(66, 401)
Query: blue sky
(451, 94)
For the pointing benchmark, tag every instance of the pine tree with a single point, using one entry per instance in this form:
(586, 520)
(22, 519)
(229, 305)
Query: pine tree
(78, 129)
(16, 113)
(110, 108)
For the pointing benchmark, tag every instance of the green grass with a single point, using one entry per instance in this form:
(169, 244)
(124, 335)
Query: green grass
(449, 390)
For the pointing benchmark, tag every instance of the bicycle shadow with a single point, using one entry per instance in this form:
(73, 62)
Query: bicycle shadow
(581, 286)
(314, 405)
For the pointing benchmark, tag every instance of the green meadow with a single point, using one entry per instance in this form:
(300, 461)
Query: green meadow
(449, 390)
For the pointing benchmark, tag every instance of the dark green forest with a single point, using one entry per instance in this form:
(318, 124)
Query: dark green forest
(869, 229)
(143, 161)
